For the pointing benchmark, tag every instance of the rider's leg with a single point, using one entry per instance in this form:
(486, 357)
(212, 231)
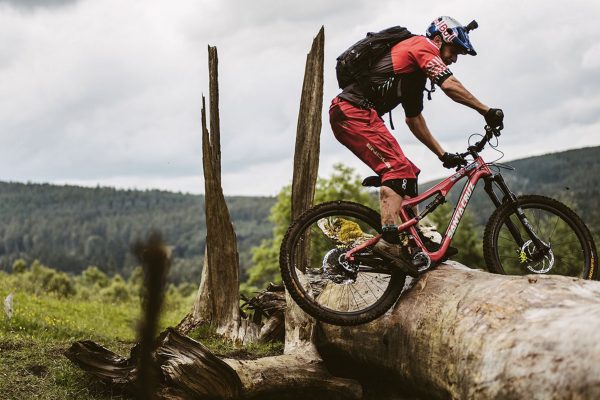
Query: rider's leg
(389, 246)
(389, 204)
(393, 192)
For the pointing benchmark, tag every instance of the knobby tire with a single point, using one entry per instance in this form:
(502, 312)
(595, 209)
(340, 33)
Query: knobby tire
(582, 244)
(294, 285)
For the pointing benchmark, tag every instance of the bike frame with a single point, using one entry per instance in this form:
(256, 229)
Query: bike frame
(476, 170)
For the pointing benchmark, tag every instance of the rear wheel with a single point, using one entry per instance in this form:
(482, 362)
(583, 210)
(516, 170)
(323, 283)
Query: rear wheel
(566, 247)
(319, 278)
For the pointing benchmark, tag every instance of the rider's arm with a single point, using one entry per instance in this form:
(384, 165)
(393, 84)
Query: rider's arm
(419, 128)
(457, 92)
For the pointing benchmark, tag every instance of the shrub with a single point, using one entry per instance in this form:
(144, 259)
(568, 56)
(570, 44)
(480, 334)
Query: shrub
(187, 289)
(61, 284)
(94, 277)
(117, 291)
(19, 266)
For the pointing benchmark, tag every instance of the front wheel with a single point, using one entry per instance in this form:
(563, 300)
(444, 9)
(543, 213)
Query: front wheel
(319, 278)
(561, 243)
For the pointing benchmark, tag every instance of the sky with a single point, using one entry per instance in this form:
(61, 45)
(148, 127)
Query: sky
(109, 92)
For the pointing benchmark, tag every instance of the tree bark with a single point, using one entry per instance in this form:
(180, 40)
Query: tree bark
(306, 155)
(215, 121)
(462, 333)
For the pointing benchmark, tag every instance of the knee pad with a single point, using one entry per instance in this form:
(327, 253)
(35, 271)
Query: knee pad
(404, 187)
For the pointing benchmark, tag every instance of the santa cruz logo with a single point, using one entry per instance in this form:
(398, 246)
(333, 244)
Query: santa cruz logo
(447, 33)
(460, 209)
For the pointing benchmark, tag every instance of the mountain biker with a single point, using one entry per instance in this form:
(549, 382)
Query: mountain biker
(399, 77)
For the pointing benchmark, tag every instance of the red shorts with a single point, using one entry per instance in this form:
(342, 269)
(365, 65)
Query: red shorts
(364, 133)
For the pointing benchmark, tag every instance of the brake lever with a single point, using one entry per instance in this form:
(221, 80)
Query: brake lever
(491, 131)
(461, 166)
(497, 131)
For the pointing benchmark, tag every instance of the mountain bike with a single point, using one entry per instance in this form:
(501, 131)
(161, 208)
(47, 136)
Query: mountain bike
(330, 270)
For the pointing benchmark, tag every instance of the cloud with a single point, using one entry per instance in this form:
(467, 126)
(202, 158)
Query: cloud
(591, 58)
(29, 5)
(110, 92)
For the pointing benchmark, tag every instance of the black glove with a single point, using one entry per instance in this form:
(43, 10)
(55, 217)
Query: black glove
(494, 118)
(452, 160)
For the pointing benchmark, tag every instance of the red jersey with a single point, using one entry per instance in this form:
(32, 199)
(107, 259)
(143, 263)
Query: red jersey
(399, 77)
(419, 53)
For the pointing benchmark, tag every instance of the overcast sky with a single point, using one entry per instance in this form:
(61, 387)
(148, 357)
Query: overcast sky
(109, 92)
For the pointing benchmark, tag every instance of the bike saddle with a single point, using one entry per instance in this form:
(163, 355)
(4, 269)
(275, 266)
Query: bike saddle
(372, 181)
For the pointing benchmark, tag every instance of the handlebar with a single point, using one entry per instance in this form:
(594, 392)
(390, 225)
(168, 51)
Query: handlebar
(474, 149)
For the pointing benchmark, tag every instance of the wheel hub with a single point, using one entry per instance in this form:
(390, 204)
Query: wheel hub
(337, 269)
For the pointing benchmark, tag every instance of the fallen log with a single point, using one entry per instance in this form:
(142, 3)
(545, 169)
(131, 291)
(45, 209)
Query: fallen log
(463, 333)
(189, 370)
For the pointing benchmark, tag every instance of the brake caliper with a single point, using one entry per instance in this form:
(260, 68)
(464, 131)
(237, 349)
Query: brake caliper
(523, 257)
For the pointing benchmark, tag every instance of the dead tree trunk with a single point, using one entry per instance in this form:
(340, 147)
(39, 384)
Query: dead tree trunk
(462, 333)
(308, 132)
(217, 302)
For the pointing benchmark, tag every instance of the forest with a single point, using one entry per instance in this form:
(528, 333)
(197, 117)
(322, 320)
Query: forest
(71, 228)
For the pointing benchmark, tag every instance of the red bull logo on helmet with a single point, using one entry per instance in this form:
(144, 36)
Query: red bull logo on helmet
(447, 34)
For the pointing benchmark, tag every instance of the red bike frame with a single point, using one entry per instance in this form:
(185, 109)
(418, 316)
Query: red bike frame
(475, 171)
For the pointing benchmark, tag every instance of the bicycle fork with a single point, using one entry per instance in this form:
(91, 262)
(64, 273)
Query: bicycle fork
(510, 197)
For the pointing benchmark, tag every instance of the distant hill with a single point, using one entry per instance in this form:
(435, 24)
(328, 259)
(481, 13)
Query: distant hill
(570, 176)
(70, 228)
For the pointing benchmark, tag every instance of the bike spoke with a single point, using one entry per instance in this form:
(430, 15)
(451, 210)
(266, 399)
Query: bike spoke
(570, 266)
(508, 239)
(558, 244)
(371, 290)
(362, 298)
(554, 229)
(534, 219)
(354, 298)
(373, 293)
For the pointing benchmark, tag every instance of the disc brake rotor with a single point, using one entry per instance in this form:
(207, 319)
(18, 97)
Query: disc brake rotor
(536, 265)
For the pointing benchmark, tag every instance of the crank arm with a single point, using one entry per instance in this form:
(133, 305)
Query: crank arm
(371, 265)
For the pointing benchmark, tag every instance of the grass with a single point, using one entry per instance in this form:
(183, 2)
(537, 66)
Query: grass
(208, 337)
(32, 343)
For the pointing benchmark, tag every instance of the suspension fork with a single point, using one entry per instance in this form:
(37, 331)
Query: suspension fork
(511, 199)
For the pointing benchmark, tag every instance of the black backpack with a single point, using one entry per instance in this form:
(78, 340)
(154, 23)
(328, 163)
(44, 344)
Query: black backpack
(360, 56)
